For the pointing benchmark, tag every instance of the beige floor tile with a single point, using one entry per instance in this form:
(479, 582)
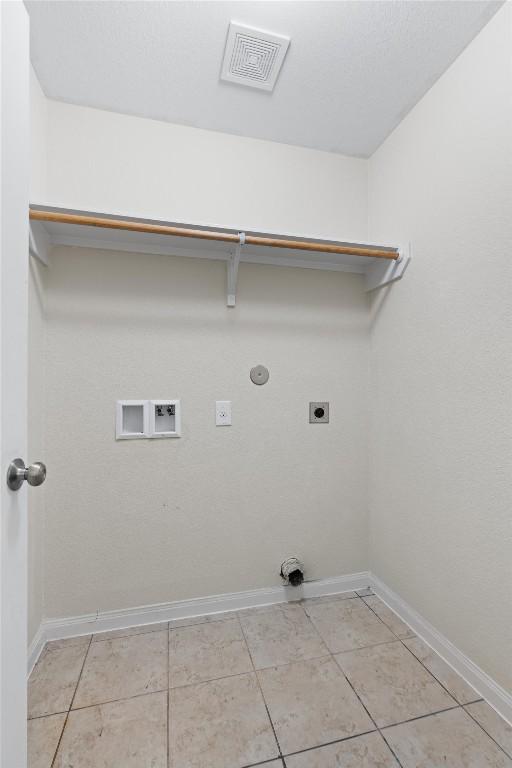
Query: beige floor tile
(448, 739)
(369, 751)
(365, 592)
(53, 681)
(220, 724)
(390, 619)
(122, 734)
(207, 651)
(311, 703)
(392, 684)
(327, 598)
(348, 624)
(491, 722)
(55, 645)
(280, 634)
(128, 666)
(175, 623)
(113, 634)
(453, 682)
(43, 737)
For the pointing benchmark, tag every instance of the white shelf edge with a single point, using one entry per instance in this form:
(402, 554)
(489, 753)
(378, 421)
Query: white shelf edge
(377, 272)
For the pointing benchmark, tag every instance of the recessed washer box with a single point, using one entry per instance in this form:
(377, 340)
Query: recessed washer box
(164, 418)
(132, 419)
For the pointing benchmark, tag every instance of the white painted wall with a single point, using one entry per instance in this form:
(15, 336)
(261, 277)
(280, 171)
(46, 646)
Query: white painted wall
(38, 140)
(138, 522)
(141, 522)
(441, 434)
(101, 161)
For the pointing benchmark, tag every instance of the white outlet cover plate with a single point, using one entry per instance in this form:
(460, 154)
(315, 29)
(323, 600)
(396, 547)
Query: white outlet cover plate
(223, 413)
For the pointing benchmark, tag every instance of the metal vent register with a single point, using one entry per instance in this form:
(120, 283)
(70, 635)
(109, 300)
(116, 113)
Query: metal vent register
(253, 57)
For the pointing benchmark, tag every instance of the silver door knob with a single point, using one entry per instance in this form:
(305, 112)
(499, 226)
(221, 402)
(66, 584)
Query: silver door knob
(17, 473)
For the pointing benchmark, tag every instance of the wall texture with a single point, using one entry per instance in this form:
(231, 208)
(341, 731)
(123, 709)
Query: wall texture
(143, 521)
(101, 161)
(148, 521)
(130, 521)
(441, 430)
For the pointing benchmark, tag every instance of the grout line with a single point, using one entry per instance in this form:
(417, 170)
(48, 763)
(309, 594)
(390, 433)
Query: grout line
(325, 598)
(385, 624)
(71, 703)
(329, 743)
(388, 745)
(115, 701)
(420, 717)
(366, 710)
(46, 650)
(366, 647)
(203, 623)
(314, 627)
(450, 694)
(377, 729)
(329, 654)
(459, 704)
(96, 637)
(210, 680)
(372, 645)
(297, 661)
(64, 712)
(390, 748)
(261, 690)
(403, 641)
(483, 729)
(265, 762)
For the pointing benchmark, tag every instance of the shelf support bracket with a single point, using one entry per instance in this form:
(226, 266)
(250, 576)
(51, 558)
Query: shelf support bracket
(39, 242)
(232, 269)
(385, 272)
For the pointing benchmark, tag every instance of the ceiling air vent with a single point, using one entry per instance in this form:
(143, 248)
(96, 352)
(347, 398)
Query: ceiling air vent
(253, 57)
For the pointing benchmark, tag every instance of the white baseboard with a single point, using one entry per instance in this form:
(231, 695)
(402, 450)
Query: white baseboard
(58, 629)
(35, 648)
(484, 685)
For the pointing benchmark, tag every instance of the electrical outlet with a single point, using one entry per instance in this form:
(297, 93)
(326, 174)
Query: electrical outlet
(319, 413)
(223, 413)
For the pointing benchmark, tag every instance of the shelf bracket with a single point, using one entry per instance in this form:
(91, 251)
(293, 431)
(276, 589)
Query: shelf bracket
(385, 272)
(39, 243)
(232, 270)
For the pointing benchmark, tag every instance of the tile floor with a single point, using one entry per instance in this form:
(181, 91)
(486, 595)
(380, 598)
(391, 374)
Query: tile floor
(331, 682)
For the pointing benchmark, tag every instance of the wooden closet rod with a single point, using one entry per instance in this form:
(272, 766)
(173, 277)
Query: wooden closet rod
(209, 234)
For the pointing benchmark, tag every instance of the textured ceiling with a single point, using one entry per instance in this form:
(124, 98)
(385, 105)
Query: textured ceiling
(353, 69)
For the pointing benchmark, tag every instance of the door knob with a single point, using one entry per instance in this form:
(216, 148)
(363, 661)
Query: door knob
(35, 474)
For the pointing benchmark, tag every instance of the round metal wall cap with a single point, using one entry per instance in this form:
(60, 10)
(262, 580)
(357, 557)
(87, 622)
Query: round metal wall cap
(259, 374)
